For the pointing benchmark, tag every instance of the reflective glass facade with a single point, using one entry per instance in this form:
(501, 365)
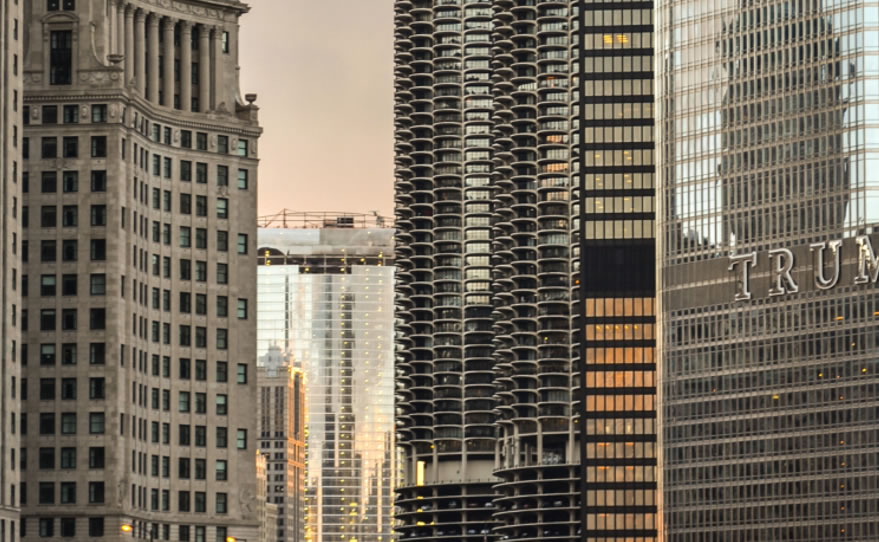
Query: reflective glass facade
(768, 145)
(325, 300)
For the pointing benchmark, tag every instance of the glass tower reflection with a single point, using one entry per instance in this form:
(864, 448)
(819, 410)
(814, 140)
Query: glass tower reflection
(766, 141)
(325, 298)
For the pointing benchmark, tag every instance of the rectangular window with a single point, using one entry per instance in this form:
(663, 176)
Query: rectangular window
(49, 147)
(222, 273)
(183, 401)
(222, 208)
(50, 113)
(96, 423)
(68, 458)
(68, 389)
(183, 502)
(185, 170)
(241, 439)
(222, 437)
(98, 284)
(184, 435)
(222, 241)
(222, 306)
(68, 284)
(96, 457)
(96, 492)
(70, 147)
(47, 285)
(201, 206)
(71, 114)
(242, 179)
(201, 436)
(99, 215)
(97, 318)
(97, 388)
(98, 249)
(61, 57)
(70, 182)
(201, 271)
(201, 172)
(222, 176)
(185, 236)
(48, 182)
(68, 496)
(47, 389)
(68, 423)
(97, 354)
(185, 204)
(46, 458)
(99, 113)
(47, 492)
(96, 527)
(99, 181)
(47, 525)
(201, 238)
(221, 503)
(99, 146)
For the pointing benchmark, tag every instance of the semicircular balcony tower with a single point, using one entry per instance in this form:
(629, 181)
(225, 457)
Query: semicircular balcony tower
(444, 203)
(490, 244)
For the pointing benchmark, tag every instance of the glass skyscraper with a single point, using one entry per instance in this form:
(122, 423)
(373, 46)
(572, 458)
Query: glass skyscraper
(768, 139)
(325, 302)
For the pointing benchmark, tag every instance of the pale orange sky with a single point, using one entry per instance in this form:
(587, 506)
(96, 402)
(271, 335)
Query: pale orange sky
(323, 70)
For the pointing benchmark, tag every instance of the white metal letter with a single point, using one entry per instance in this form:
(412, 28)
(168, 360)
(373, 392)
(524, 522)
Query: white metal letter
(866, 258)
(822, 282)
(747, 261)
(781, 276)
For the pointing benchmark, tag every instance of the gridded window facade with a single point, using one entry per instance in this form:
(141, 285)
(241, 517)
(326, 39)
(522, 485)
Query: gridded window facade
(766, 145)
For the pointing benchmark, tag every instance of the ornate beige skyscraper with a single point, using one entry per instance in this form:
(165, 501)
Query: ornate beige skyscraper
(10, 264)
(282, 439)
(139, 223)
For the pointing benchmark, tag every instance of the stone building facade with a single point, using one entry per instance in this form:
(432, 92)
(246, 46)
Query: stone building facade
(139, 221)
(10, 264)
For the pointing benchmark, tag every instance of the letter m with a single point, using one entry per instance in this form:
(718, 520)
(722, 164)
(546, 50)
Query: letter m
(866, 259)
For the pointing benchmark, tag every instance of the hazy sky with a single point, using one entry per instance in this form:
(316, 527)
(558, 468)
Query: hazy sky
(323, 70)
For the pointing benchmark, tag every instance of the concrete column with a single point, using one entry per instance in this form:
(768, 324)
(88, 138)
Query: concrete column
(129, 44)
(140, 52)
(113, 28)
(217, 70)
(185, 65)
(153, 52)
(168, 87)
(204, 68)
(119, 34)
